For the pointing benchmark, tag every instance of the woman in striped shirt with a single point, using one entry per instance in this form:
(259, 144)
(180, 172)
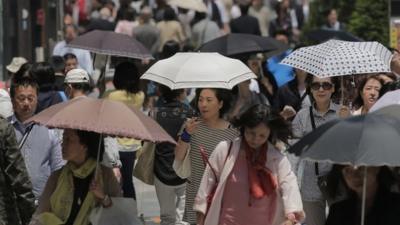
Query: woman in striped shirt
(206, 131)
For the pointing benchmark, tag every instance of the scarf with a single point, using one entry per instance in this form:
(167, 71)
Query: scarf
(62, 198)
(261, 181)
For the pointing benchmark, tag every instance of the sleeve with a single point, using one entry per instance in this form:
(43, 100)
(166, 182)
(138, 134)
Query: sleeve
(86, 62)
(298, 125)
(209, 180)
(17, 175)
(111, 156)
(289, 188)
(56, 161)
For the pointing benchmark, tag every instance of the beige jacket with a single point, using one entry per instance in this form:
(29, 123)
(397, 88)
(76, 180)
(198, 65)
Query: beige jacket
(276, 162)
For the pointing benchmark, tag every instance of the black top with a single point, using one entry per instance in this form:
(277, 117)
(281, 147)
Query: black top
(81, 188)
(288, 94)
(385, 210)
(171, 117)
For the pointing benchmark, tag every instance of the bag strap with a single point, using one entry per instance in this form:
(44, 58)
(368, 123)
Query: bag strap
(204, 156)
(313, 126)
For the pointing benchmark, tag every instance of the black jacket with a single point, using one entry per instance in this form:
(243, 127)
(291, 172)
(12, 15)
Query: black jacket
(245, 24)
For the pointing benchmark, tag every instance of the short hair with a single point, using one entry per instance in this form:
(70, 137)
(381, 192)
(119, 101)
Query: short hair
(68, 26)
(126, 77)
(26, 81)
(44, 75)
(263, 114)
(395, 85)
(169, 49)
(91, 141)
(223, 95)
(169, 14)
(69, 56)
(57, 63)
(24, 71)
(358, 101)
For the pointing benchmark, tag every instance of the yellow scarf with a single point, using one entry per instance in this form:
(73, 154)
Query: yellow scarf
(62, 197)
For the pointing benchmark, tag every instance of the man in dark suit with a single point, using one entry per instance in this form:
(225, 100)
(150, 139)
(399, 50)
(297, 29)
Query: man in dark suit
(245, 23)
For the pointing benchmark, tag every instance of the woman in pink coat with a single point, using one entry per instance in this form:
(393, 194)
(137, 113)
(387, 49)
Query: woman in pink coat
(253, 182)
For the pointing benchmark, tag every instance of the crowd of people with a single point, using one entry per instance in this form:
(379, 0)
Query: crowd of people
(230, 164)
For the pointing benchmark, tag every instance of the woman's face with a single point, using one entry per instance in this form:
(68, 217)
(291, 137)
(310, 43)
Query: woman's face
(256, 136)
(354, 177)
(72, 149)
(370, 92)
(322, 89)
(208, 104)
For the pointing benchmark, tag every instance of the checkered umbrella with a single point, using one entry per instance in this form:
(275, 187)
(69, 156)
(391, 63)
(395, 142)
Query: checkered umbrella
(338, 58)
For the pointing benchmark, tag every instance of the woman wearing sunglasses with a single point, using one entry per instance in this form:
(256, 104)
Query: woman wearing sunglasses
(307, 119)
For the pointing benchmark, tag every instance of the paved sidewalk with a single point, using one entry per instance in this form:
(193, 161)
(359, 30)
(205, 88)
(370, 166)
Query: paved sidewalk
(147, 203)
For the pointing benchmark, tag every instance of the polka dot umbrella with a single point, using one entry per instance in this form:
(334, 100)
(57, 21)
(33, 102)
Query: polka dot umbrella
(339, 58)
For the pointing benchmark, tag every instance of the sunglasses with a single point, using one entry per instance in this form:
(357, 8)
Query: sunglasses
(325, 85)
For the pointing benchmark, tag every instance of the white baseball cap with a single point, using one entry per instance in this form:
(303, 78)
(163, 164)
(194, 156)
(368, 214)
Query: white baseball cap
(16, 64)
(76, 76)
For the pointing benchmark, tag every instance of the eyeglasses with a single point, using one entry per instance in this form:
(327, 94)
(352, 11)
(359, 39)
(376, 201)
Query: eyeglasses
(325, 85)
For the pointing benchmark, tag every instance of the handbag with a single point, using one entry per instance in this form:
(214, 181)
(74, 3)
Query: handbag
(123, 211)
(145, 164)
(204, 156)
(183, 168)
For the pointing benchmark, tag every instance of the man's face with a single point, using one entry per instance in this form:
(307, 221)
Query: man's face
(282, 38)
(70, 64)
(70, 34)
(24, 102)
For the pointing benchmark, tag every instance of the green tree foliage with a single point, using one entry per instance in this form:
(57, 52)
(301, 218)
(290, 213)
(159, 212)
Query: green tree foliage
(367, 19)
(370, 21)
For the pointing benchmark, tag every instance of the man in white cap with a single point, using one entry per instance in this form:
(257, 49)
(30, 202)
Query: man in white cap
(77, 84)
(13, 67)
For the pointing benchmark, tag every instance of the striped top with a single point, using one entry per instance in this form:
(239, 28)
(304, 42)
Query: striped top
(208, 138)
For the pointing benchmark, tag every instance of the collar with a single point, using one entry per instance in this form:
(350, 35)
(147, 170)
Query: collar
(332, 108)
(20, 126)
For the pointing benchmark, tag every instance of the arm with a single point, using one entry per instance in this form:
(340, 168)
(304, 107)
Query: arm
(16, 173)
(56, 161)
(290, 191)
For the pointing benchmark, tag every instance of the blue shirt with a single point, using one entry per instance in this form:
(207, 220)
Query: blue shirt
(282, 73)
(41, 152)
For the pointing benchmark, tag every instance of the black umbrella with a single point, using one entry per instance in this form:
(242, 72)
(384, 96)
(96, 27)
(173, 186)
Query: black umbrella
(369, 140)
(111, 44)
(239, 44)
(322, 35)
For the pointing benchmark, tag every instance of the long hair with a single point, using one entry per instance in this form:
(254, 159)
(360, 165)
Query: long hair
(358, 101)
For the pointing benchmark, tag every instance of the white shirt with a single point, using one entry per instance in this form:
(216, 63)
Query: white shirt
(83, 56)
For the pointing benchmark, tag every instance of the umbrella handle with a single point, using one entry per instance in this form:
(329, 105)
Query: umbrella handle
(98, 157)
(341, 90)
(364, 197)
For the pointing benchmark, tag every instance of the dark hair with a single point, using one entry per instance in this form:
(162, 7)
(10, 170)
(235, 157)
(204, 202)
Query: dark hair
(385, 179)
(261, 113)
(57, 63)
(309, 80)
(244, 8)
(85, 87)
(222, 95)
(24, 71)
(358, 101)
(44, 75)
(395, 85)
(24, 81)
(91, 141)
(281, 32)
(70, 56)
(70, 25)
(169, 49)
(126, 77)
(169, 14)
(168, 94)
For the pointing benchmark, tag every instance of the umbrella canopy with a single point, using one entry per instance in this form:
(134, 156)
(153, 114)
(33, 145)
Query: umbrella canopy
(199, 70)
(102, 116)
(322, 35)
(197, 5)
(367, 140)
(338, 58)
(235, 44)
(390, 98)
(111, 43)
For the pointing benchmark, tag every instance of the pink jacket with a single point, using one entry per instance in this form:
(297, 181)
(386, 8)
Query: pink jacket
(279, 165)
